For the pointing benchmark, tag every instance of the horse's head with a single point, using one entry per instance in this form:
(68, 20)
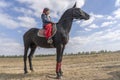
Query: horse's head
(77, 13)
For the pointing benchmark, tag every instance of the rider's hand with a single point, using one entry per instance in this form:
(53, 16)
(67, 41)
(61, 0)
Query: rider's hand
(53, 23)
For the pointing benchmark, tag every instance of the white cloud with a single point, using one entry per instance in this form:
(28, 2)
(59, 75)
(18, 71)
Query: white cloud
(11, 23)
(2, 34)
(93, 18)
(117, 3)
(98, 16)
(117, 13)
(19, 31)
(101, 20)
(93, 26)
(112, 35)
(34, 8)
(87, 29)
(10, 46)
(107, 24)
(110, 17)
(87, 22)
(23, 10)
(3, 4)
(78, 40)
(27, 22)
(7, 21)
(56, 6)
(106, 35)
(96, 41)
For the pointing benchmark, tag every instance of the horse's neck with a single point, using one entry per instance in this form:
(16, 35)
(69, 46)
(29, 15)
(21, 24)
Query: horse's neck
(66, 24)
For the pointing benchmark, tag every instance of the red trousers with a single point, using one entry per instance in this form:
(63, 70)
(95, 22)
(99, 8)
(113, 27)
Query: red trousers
(48, 30)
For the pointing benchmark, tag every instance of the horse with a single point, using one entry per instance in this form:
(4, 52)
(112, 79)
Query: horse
(60, 39)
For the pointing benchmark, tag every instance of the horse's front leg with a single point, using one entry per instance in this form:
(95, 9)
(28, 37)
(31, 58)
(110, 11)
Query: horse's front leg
(60, 49)
(61, 72)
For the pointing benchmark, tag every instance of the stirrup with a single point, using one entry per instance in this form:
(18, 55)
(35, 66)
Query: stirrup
(50, 41)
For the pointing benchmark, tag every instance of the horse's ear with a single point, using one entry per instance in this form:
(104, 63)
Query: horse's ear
(74, 5)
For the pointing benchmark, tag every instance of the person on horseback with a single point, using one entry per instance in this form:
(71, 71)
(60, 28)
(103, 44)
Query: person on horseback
(47, 24)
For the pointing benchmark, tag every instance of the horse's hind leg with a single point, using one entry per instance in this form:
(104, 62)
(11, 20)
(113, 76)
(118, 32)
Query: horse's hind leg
(25, 59)
(33, 48)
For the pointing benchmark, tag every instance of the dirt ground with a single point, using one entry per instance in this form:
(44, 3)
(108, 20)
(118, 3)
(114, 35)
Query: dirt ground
(77, 67)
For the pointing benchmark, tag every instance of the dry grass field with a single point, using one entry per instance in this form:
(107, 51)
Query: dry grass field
(77, 67)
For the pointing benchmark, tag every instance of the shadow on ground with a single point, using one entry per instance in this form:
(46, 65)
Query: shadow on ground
(114, 75)
(21, 76)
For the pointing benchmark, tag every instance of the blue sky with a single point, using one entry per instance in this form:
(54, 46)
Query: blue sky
(100, 32)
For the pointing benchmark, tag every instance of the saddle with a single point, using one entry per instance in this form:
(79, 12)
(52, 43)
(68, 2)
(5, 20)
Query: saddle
(41, 31)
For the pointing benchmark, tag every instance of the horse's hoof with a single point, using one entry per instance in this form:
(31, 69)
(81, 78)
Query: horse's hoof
(59, 77)
(25, 72)
(32, 70)
(61, 73)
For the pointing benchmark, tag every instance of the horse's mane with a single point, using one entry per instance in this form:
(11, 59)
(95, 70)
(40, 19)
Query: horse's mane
(65, 15)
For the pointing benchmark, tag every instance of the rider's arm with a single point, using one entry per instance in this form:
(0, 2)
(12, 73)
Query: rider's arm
(45, 19)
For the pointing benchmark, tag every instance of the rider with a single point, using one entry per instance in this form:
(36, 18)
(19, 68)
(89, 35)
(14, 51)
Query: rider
(47, 24)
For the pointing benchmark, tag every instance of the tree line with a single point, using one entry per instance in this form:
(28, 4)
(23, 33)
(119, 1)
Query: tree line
(78, 53)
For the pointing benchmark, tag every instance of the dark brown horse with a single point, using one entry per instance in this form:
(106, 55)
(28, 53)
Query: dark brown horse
(60, 39)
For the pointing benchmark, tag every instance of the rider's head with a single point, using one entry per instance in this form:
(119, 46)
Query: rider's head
(46, 11)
